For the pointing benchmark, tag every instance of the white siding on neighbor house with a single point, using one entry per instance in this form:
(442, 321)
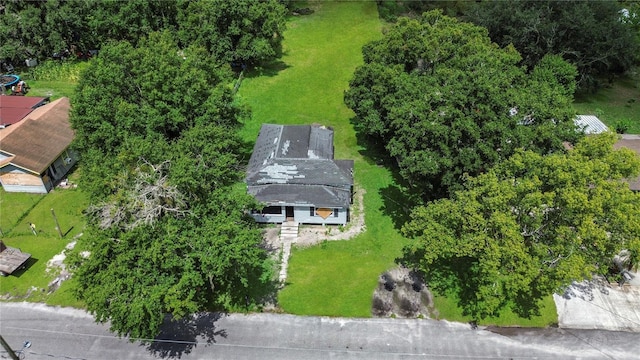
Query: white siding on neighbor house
(14, 179)
(302, 215)
(25, 189)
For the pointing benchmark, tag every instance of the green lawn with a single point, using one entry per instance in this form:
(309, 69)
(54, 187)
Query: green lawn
(619, 102)
(448, 308)
(54, 89)
(33, 281)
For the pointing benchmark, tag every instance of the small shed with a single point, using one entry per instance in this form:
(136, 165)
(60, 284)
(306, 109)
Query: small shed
(11, 259)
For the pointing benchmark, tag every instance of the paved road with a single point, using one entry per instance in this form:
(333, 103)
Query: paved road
(72, 335)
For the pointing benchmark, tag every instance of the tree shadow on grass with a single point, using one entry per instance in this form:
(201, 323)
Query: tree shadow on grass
(269, 69)
(455, 278)
(179, 337)
(397, 198)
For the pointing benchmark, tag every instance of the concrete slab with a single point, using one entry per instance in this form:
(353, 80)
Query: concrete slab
(589, 305)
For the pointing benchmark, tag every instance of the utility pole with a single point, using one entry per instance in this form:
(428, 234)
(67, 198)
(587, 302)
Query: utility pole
(57, 224)
(6, 346)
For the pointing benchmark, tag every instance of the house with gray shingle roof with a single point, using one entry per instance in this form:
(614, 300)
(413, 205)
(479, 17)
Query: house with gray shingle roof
(34, 153)
(293, 173)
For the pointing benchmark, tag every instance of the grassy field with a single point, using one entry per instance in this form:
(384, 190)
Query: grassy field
(53, 78)
(619, 102)
(18, 210)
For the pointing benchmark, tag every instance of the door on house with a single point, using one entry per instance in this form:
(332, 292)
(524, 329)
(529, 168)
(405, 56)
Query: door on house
(289, 213)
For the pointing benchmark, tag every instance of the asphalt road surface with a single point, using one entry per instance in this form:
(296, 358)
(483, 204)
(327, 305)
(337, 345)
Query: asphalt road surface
(70, 334)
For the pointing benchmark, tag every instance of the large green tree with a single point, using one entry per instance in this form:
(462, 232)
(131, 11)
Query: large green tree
(38, 29)
(168, 230)
(592, 35)
(529, 227)
(446, 102)
(238, 30)
(154, 91)
(234, 30)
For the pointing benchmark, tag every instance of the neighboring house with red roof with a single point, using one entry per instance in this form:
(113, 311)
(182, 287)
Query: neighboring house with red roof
(16, 108)
(630, 142)
(293, 173)
(34, 152)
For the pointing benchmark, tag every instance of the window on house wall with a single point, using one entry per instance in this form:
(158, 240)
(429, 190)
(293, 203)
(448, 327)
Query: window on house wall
(312, 211)
(273, 210)
(336, 211)
(66, 157)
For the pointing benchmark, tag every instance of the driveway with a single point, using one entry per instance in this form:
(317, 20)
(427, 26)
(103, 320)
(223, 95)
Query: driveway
(589, 305)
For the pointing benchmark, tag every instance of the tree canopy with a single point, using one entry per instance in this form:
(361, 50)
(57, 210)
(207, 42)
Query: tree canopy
(529, 227)
(234, 30)
(593, 35)
(168, 230)
(447, 103)
(238, 30)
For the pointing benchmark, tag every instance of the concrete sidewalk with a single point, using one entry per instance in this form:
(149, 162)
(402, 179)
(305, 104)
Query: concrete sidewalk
(590, 305)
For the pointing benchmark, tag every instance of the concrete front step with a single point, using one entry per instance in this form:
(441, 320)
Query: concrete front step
(288, 236)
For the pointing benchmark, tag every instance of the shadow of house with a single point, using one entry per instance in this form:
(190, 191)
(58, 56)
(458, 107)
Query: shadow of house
(292, 172)
(34, 153)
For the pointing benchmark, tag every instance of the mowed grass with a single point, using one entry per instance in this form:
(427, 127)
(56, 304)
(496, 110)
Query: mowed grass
(305, 86)
(447, 307)
(619, 102)
(31, 283)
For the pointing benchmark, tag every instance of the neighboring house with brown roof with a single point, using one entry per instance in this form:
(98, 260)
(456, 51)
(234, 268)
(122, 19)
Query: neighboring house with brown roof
(34, 153)
(292, 172)
(16, 108)
(631, 142)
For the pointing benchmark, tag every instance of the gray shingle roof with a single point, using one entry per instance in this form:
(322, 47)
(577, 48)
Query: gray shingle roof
(294, 164)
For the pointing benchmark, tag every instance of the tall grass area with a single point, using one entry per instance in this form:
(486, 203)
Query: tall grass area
(616, 105)
(54, 78)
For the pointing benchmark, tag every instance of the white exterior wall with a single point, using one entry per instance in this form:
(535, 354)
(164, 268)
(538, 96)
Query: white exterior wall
(14, 179)
(302, 215)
